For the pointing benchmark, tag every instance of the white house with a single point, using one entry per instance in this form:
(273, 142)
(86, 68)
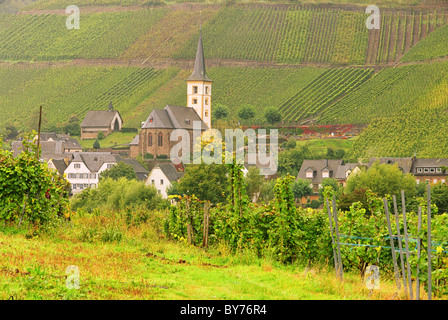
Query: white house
(162, 175)
(83, 171)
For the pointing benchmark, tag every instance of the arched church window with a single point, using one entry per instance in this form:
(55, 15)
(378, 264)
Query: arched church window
(160, 139)
(150, 139)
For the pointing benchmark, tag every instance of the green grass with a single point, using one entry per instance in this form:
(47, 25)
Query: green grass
(112, 140)
(320, 146)
(142, 265)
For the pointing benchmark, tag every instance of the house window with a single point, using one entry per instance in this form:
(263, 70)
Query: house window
(159, 192)
(325, 174)
(309, 174)
(439, 170)
(150, 139)
(195, 101)
(195, 89)
(160, 139)
(161, 181)
(152, 182)
(426, 170)
(81, 186)
(73, 186)
(110, 165)
(93, 176)
(417, 180)
(432, 170)
(419, 170)
(443, 180)
(86, 185)
(206, 90)
(206, 102)
(77, 165)
(206, 113)
(434, 181)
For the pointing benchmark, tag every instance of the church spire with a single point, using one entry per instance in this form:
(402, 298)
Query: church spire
(199, 73)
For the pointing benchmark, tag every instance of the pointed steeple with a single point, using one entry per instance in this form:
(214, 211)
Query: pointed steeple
(199, 73)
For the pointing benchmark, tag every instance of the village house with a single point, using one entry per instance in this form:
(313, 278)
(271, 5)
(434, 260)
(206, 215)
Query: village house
(85, 169)
(162, 175)
(53, 146)
(430, 171)
(107, 121)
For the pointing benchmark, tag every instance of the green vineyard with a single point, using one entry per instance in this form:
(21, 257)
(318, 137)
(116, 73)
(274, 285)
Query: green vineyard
(322, 91)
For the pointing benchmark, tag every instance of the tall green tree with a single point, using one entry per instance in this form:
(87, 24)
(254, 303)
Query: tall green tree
(220, 111)
(205, 181)
(120, 170)
(382, 179)
(301, 188)
(254, 181)
(272, 115)
(246, 112)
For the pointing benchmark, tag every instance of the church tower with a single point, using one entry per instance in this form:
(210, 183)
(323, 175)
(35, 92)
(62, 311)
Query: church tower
(199, 88)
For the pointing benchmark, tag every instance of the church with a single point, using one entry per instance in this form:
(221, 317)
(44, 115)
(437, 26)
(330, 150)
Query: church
(154, 137)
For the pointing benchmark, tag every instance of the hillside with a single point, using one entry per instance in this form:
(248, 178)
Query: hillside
(315, 61)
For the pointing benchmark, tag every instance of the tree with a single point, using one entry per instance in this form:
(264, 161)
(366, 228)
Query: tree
(328, 182)
(246, 112)
(205, 181)
(72, 126)
(254, 181)
(220, 112)
(382, 179)
(301, 188)
(96, 144)
(10, 132)
(100, 135)
(439, 196)
(291, 144)
(120, 170)
(272, 115)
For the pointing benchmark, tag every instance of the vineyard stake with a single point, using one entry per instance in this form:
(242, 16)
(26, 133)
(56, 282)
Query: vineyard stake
(386, 210)
(38, 130)
(397, 222)
(417, 289)
(406, 243)
(428, 194)
(335, 213)
(335, 258)
(206, 223)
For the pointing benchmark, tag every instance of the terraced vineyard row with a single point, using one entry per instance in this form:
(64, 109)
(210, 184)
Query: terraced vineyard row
(391, 91)
(352, 108)
(401, 30)
(74, 90)
(323, 91)
(284, 34)
(45, 37)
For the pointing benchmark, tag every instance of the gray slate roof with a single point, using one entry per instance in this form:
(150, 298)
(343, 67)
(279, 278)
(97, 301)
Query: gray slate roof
(60, 165)
(317, 166)
(199, 73)
(169, 170)
(342, 170)
(135, 141)
(403, 163)
(99, 118)
(139, 170)
(173, 117)
(94, 160)
(429, 163)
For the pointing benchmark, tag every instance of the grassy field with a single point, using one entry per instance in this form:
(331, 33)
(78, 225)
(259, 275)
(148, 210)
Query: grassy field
(139, 264)
(320, 146)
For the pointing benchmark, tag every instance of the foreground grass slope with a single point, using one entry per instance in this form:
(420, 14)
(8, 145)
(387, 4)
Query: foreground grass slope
(120, 261)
